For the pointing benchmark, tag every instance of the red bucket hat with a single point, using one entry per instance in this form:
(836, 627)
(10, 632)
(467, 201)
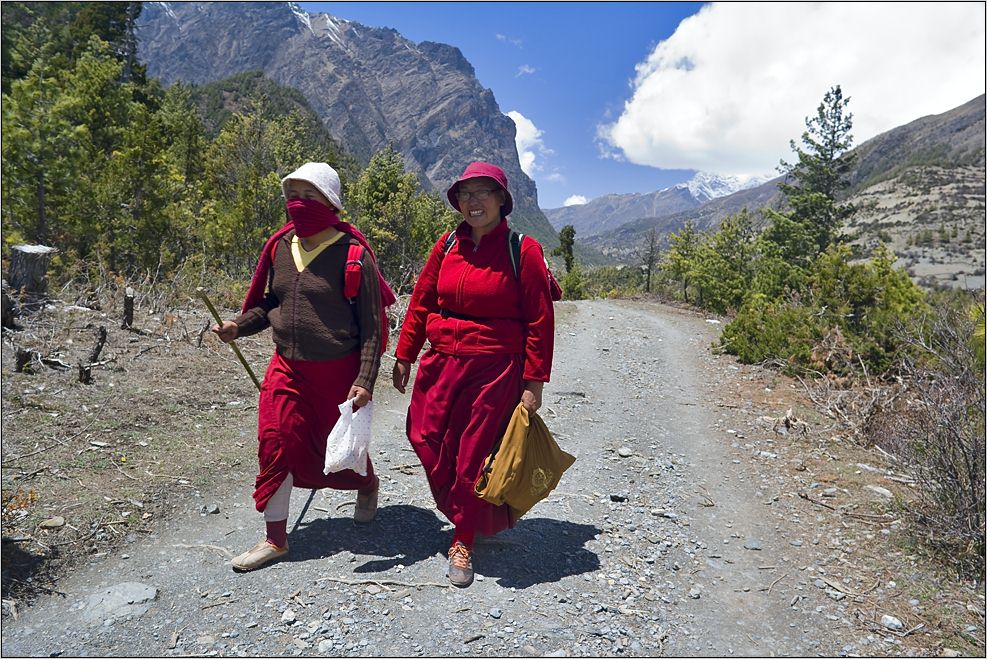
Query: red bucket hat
(476, 170)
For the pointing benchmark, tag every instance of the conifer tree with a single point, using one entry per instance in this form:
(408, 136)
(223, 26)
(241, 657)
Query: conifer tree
(680, 259)
(400, 220)
(821, 172)
(567, 240)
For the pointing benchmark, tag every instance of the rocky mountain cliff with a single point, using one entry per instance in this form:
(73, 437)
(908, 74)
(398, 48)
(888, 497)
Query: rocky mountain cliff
(370, 86)
(919, 189)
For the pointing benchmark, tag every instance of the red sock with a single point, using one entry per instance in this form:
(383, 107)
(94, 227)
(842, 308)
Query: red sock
(277, 533)
(463, 536)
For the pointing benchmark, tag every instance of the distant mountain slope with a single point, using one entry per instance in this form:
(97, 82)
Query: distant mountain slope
(626, 240)
(951, 139)
(608, 213)
(370, 86)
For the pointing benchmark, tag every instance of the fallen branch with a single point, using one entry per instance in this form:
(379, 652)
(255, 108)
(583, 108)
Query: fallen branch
(209, 606)
(147, 349)
(772, 585)
(805, 496)
(382, 582)
(123, 472)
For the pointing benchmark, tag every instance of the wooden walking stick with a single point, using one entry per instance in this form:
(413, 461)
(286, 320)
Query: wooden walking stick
(236, 349)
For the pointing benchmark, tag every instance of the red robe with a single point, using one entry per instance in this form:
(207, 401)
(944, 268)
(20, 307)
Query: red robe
(298, 407)
(497, 333)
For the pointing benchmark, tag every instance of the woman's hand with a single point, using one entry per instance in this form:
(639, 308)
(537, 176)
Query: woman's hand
(359, 395)
(400, 375)
(226, 332)
(531, 396)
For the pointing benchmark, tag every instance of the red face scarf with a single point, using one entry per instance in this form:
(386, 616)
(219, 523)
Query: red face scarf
(309, 216)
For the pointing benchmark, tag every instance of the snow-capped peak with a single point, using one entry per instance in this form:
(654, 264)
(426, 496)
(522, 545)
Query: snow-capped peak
(705, 186)
(301, 15)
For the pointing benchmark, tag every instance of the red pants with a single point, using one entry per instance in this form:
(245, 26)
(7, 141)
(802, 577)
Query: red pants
(299, 405)
(460, 407)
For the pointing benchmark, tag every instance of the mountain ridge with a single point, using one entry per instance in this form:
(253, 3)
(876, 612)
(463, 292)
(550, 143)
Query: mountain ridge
(611, 211)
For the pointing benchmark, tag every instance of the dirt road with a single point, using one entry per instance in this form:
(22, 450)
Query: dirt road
(664, 538)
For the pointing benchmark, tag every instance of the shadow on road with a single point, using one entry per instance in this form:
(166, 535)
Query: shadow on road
(401, 534)
(536, 551)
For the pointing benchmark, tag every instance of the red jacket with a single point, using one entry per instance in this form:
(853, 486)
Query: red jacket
(490, 311)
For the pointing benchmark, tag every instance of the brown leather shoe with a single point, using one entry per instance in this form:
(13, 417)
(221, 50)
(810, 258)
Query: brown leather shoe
(460, 565)
(366, 506)
(261, 553)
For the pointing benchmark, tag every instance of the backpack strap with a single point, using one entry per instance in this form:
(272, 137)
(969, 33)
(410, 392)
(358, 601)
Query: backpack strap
(514, 249)
(450, 241)
(353, 272)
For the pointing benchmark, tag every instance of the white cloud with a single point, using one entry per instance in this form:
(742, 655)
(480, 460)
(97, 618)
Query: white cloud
(511, 40)
(529, 143)
(555, 177)
(575, 200)
(524, 69)
(735, 82)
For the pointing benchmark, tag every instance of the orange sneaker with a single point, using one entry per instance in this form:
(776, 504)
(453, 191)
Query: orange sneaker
(460, 565)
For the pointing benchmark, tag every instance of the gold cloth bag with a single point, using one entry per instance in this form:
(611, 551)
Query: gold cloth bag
(526, 465)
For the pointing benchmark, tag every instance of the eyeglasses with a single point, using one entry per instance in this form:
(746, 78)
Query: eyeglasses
(479, 195)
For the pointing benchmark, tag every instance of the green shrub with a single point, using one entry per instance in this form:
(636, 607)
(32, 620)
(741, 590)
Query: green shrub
(573, 287)
(847, 316)
(772, 329)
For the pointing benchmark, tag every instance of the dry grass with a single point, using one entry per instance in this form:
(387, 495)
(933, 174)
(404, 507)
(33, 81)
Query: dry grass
(168, 412)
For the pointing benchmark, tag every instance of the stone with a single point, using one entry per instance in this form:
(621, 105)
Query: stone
(120, 601)
(877, 489)
(53, 523)
(891, 622)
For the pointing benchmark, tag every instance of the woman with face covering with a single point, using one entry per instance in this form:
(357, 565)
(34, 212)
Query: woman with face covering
(491, 337)
(327, 350)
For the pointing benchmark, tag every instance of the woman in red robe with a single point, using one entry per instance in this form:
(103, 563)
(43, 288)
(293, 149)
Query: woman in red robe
(328, 349)
(491, 337)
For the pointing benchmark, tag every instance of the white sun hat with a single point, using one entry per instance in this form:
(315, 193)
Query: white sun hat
(322, 176)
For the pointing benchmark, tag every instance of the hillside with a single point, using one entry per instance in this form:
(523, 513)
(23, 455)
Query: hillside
(371, 87)
(926, 177)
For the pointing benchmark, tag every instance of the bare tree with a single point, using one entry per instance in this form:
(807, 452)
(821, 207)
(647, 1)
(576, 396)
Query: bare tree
(650, 257)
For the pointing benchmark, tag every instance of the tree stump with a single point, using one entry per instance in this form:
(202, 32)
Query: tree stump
(128, 309)
(28, 273)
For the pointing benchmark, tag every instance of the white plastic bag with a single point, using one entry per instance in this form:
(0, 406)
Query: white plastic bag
(349, 439)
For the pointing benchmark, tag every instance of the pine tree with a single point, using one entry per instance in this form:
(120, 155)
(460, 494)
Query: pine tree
(567, 240)
(821, 172)
(680, 260)
(401, 221)
(649, 258)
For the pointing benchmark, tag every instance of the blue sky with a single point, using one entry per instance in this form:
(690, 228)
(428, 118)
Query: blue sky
(613, 97)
